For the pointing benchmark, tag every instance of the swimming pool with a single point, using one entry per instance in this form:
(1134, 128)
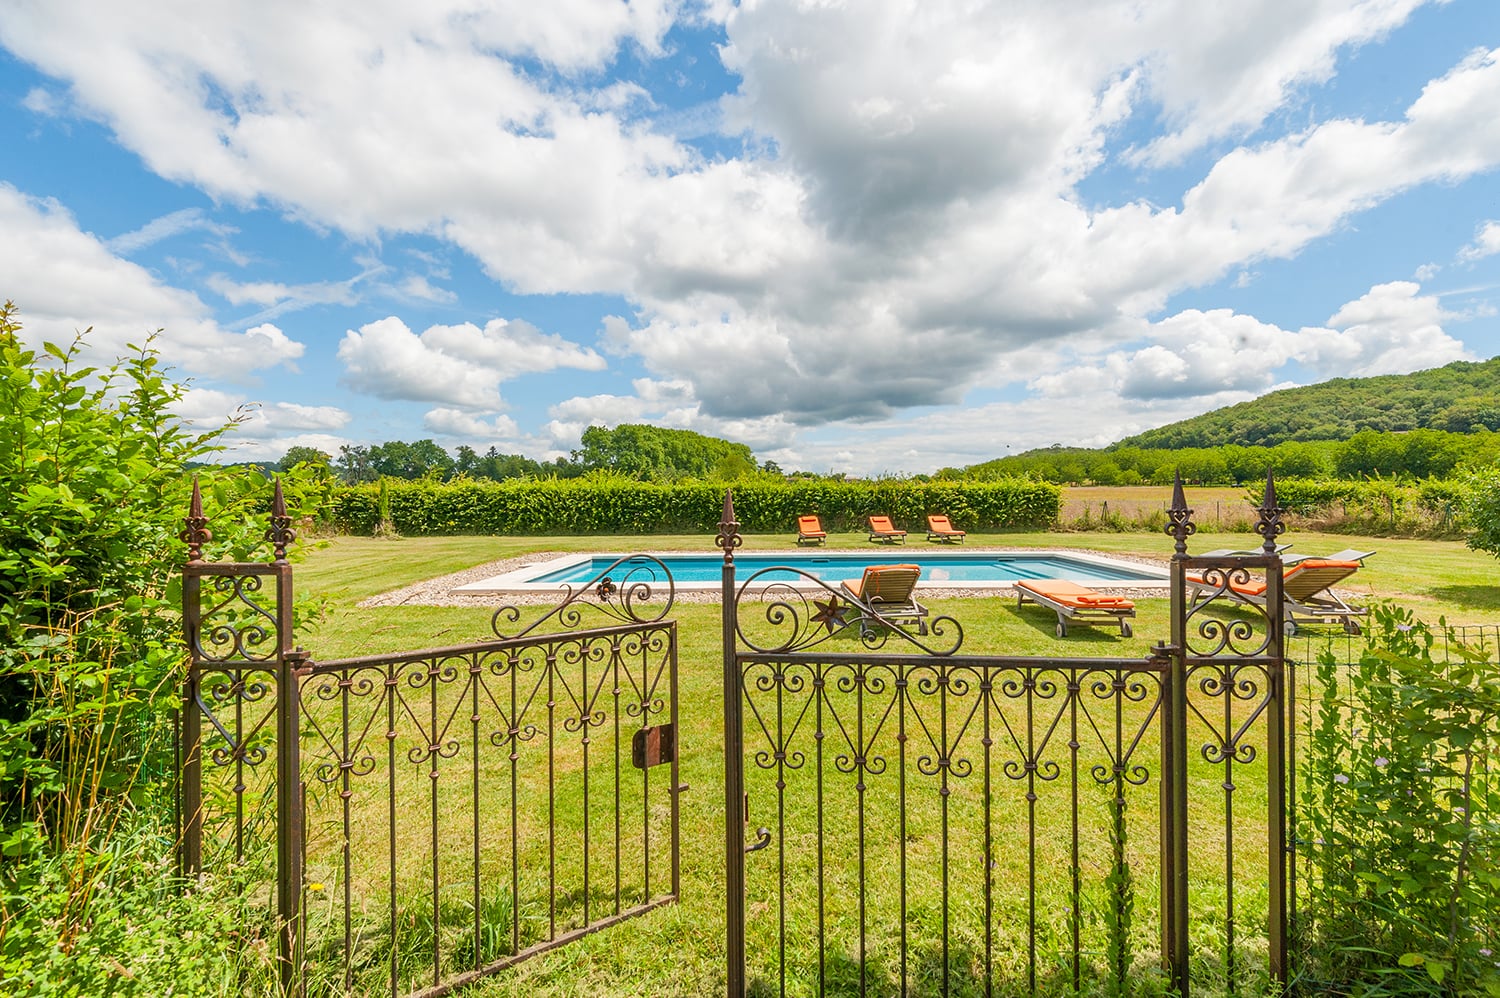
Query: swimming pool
(940, 570)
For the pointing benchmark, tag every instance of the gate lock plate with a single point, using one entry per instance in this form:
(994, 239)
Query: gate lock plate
(654, 746)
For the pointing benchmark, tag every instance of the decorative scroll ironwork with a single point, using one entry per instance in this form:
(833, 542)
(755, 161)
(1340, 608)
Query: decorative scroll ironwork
(904, 785)
(1180, 525)
(645, 579)
(279, 533)
(728, 537)
(508, 758)
(799, 619)
(195, 533)
(898, 784)
(237, 628)
(1246, 636)
(1269, 525)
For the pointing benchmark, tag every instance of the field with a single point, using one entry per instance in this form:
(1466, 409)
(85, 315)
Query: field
(675, 950)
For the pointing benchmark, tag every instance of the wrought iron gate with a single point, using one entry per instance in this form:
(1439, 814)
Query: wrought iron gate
(930, 822)
(436, 815)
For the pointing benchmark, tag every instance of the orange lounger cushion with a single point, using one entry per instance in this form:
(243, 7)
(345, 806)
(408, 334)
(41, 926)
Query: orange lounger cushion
(1243, 588)
(1072, 594)
(856, 586)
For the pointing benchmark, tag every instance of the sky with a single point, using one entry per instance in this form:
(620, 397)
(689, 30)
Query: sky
(876, 237)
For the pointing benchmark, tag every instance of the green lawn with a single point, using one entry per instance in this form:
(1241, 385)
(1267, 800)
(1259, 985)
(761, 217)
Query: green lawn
(676, 950)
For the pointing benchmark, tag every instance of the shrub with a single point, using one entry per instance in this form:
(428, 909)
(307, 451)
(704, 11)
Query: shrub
(606, 503)
(1402, 817)
(92, 491)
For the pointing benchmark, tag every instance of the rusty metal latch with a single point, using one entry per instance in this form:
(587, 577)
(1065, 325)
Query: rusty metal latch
(653, 746)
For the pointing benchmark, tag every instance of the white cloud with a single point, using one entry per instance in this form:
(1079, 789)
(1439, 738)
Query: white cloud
(1486, 243)
(906, 224)
(456, 423)
(457, 365)
(165, 227)
(1390, 330)
(1244, 61)
(66, 280)
(1208, 359)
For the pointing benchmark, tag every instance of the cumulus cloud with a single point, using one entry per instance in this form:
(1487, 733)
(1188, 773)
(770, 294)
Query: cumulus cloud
(1486, 243)
(447, 422)
(459, 365)
(1207, 359)
(262, 431)
(904, 223)
(66, 280)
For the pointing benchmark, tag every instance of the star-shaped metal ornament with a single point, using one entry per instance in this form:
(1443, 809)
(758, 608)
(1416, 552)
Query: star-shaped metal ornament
(830, 614)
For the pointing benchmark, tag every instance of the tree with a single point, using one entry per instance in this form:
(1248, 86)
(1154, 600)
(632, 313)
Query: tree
(1483, 507)
(354, 465)
(309, 456)
(652, 452)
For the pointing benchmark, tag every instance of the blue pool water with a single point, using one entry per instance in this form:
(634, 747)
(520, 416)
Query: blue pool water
(947, 566)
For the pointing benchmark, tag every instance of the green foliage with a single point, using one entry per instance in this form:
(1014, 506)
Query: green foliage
(1402, 816)
(1481, 503)
(1378, 507)
(653, 453)
(614, 504)
(92, 492)
(1462, 397)
(310, 456)
(141, 933)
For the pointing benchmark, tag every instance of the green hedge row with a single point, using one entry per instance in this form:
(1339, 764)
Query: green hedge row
(617, 506)
(1376, 503)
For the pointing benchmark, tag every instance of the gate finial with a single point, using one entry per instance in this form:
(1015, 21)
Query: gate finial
(1180, 523)
(1269, 526)
(729, 528)
(280, 532)
(196, 533)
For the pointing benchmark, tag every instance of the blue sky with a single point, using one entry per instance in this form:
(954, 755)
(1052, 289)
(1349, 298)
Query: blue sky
(872, 237)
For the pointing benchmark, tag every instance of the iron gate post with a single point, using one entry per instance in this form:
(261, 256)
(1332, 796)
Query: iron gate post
(1270, 526)
(734, 778)
(195, 534)
(289, 660)
(1174, 794)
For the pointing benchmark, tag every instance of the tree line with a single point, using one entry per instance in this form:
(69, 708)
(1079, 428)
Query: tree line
(647, 453)
(1418, 454)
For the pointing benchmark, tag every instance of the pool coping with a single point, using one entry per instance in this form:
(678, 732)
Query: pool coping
(508, 583)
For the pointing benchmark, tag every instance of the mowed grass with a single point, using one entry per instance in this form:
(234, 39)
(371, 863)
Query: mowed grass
(678, 950)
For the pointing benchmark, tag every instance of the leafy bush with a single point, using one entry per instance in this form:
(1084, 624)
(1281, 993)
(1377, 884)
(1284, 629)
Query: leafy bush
(601, 503)
(1402, 817)
(1481, 505)
(92, 491)
(1380, 507)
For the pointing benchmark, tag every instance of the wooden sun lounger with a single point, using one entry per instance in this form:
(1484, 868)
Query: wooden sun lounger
(810, 531)
(881, 529)
(1307, 595)
(885, 595)
(1072, 602)
(940, 529)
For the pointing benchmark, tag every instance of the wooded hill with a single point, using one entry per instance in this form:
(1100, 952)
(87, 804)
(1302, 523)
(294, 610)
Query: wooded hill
(1463, 397)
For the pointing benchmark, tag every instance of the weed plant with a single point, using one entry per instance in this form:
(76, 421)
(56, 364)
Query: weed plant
(1401, 797)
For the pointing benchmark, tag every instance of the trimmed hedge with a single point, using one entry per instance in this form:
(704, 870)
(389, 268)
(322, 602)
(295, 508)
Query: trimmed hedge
(619, 506)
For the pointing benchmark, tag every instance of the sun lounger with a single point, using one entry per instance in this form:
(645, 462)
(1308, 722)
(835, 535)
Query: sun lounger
(1306, 592)
(1348, 554)
(1246, 553)
(881, 529)
(1079, 604)
(885, 595)
(939, 529)
(810, 531)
